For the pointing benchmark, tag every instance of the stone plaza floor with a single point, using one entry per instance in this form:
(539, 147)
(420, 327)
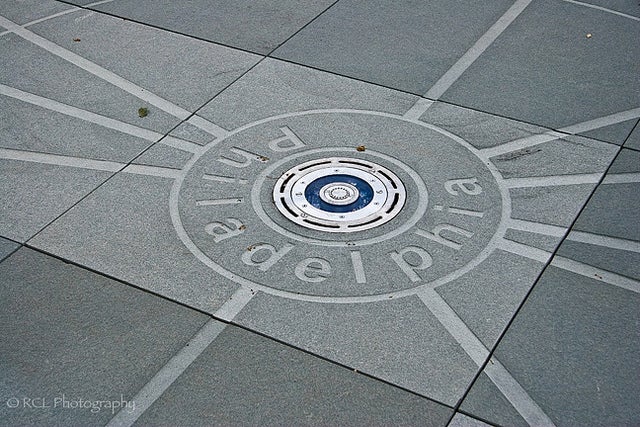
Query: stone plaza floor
(320, 212)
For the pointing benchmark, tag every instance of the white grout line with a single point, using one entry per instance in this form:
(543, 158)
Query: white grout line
(596, 273)
(534, 140)
(601, 122)
(605, 241)
(98, 119)
(158, 171)
(167, 375)
(536, 227)
(528, 409)
(477, 351)
(54, 159)
(111, 77)
(604, 9)
(483, 43)
(553, 181)
(525, 251)
(621, 178)
(179, 363)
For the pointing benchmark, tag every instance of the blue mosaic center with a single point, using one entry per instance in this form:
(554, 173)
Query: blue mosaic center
(312, 193)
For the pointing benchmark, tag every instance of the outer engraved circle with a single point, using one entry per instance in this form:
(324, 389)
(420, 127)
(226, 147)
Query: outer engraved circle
(491, 246)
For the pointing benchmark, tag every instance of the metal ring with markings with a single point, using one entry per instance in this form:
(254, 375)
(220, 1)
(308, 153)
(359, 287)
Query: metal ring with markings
(339, 194)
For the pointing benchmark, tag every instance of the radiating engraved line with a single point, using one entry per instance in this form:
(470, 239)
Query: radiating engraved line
(418, 109)
(536, 227)
(606, 241)
(525, 251)
(225, 179)
(111, 77)
(534, 140)
(553, 181)
(604, 9)
(456, 327)
(219, 202)
(528, 409)
(596, 273)
(520, 400)
(621, 178)
(601, 122)
(54, 159)
(98, 119)
(167, 375)
(235, 303)
(152, 171)
(97, 3)
(471, 55)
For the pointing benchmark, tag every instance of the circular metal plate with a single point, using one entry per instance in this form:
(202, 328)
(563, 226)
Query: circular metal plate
(339, 195)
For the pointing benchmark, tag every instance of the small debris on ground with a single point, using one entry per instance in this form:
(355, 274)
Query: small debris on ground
(361, 148)
(76, 40)
(143, 112)
(589, 35)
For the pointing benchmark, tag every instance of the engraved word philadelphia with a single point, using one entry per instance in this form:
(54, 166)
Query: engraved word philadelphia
(225, 211)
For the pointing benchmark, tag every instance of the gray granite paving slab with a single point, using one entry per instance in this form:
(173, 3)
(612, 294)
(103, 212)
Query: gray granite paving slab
(461, 420)
(485, 400)
(258, 26)
(183, 70)
(37, 129)
(573, 348)
(67, 84)
(34, 194)
(633, 141)
(275, 87)
(621, 198)
(124, 229)
(25, 11)
(245, 379)
(69, 335)
(399, 341)
(543, 69)
(7, 247)
(487, 297)
(405, 45)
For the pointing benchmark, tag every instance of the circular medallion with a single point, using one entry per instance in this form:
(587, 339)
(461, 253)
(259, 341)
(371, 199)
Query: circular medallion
(295, 206)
